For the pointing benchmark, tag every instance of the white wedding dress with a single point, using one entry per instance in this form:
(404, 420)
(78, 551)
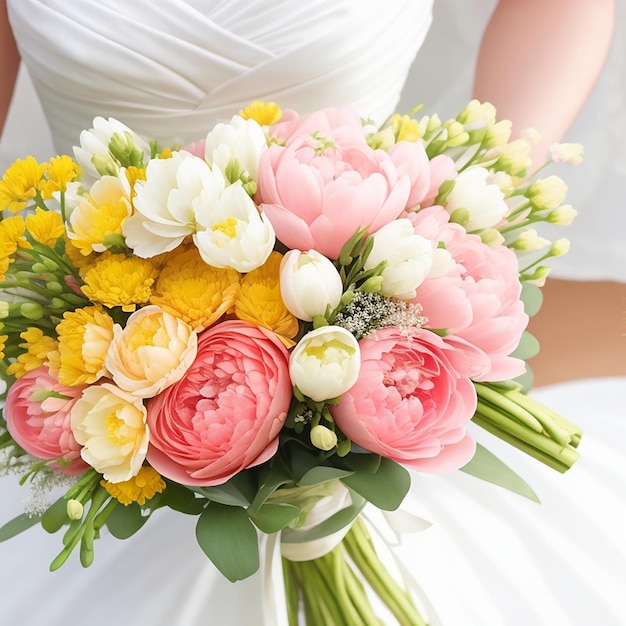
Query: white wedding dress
(169, 70)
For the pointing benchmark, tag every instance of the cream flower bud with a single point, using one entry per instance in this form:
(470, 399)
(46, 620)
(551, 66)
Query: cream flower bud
(323, 438)
(529, 240)
(476, 111)
(563, 215)
(4, 309)
(514, 157)
(237, 145)
(547, 193)
(325, 363)
(74, 509)
(484, 201)
(498, 134)
(571, 153)
(309, 283)
(560, 247)
(409, 258)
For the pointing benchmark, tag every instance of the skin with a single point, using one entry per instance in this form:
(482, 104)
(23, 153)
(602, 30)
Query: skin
(557, 48)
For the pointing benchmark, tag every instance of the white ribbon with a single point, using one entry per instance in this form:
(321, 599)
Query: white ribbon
(389, 528)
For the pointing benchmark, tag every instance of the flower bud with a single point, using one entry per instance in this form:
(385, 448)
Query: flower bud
(323, 438)
(563, 215)
(560, 247)
(74, 509)
(372, 285)
(408, 258)
(4, 309)
(123, 148)
(571, 153)
(529, 240)
(498, 134)
(325, 363)
(476, 111)
(309, 283)
(31, 311)
(547, 193)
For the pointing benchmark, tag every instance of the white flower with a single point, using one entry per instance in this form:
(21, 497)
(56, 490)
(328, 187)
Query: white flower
(309, 282)
(409, 258)
(482, 200)
(325, 363)
(571, 153)
(234, 232)
(110, 424)
(168, 202)
(236, 146)
(108, 146)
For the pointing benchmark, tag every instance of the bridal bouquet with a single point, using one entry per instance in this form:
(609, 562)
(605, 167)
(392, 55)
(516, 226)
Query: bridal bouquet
(267, 329)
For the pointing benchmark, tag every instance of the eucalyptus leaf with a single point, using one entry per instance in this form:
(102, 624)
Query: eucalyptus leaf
(322, 474)
(528, 347)
(270, 518)
(229, 539)
(385, 488)
(18, 525)
(125, 521)
(55, 517)
(487, 466)
(532, 297)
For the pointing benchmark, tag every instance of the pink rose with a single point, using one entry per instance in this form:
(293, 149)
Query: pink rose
(426, 175)
(478, 296)
(225, 414)
(37, 413)
(412, 401)
(321, 187)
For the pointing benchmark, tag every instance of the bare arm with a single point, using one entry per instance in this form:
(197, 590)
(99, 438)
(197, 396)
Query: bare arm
(539, 60)
(9, 63)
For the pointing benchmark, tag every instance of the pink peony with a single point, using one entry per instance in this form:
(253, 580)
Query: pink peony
(412, 401)
(326, 183)
(225, 414)
(478, 296)
(426, 175)
(37, 413)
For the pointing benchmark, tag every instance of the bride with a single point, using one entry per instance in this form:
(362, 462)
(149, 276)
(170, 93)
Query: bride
(490, 558)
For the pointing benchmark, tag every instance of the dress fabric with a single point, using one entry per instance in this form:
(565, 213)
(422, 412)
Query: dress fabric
(170, 70)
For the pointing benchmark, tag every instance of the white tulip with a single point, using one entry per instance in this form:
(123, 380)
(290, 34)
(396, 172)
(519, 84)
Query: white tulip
(409, 258)
(239, 143)
(234, 232)
(483, 200)
(309, 282)
(325, 363)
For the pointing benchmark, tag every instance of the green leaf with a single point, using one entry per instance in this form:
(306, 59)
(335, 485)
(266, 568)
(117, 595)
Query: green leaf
(229, 539)
(532, 297)
(56, 516)
(363, 462)
(238, 491)
(322, 474)
(528, 347)
(270, 480)
(18, 525)
(180, 498)
(329, 526)
(270, 518)
(125, 521)
(487, 466)
(385, 488)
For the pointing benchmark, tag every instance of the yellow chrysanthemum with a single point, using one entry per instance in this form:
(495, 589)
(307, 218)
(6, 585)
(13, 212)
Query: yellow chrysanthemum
(259, 301)
(166, 153)
(3, 340)
(264, 113)
(38, 346)
(45, 226)
(4, 266)
(60, 171)
(118, 280)
(141, 487)
(405, 128)
(194, 291)
(84, 338)
(76, 257)
(12, 235)
(20, 183)
(100, 216)
(133, 174)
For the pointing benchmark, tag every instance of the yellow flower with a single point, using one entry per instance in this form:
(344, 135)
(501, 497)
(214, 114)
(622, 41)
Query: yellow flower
(133, 174)
(76, 257)
(3, 340)
(60, 171)
(405, 128)
(38, 346)
(118, 280)
(11, 235)
(20, 183)
(144, 486)
(259, 301)
(264, 113)
(84, 338)
(45, 226)
(100, 216)
(4, 266)
(193, 291)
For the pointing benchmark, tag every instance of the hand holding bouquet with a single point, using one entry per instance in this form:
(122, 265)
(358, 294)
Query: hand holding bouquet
(266, 328)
